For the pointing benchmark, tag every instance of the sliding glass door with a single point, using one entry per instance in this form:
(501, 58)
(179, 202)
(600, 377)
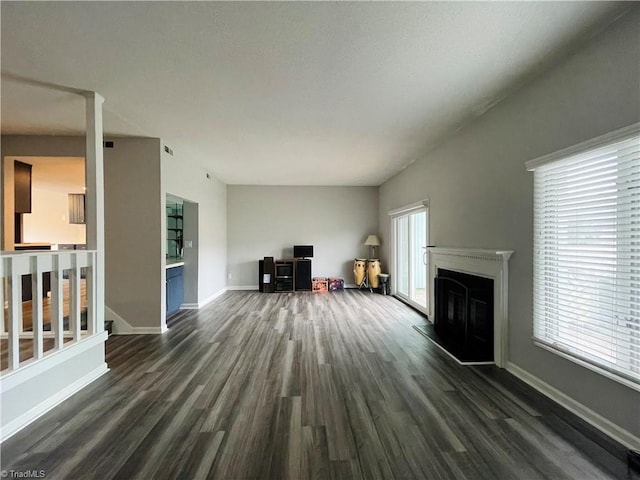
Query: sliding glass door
(410, 256)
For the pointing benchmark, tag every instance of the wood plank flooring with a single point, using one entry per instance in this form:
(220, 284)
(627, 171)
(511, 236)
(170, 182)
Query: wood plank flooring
(302, 385)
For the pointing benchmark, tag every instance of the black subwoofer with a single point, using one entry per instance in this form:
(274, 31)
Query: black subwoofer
(303, 274)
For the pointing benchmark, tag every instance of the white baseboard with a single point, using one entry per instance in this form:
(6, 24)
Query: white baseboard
(36, 412)
(189, 306)
(206, 301)
(243, 287)
(148, 330)
(145, 331)
(609, 428)
(120, 325)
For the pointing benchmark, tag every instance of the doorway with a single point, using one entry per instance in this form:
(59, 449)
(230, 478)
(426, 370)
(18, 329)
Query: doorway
(410, 270)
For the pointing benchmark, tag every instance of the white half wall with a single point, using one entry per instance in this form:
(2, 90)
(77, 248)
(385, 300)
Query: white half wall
(481, 196)
(269, 220)
(33, 390)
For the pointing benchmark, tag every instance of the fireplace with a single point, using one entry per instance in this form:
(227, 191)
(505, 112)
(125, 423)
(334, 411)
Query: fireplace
(464, 314)
(492, 265)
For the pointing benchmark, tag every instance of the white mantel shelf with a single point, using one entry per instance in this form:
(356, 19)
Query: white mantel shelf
(485, 253)
(488, 263)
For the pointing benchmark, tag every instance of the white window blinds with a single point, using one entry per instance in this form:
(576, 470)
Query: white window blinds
(587, 255)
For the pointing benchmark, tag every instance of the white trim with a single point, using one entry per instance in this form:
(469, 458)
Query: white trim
(174, 265)
(243, 287)
(617, 135)
(479, 253)
(493, 264)
(45, 334)
(28, 371)
(36, 412)
(212, 297)
(145, 331)
(591, 366)
(189, 306)
(409, 208)
(607, 427)
(121, 326)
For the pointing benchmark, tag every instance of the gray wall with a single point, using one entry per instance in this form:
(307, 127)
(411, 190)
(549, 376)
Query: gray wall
(184, 178)
(482, 196)
(134, 263)
(268, 221)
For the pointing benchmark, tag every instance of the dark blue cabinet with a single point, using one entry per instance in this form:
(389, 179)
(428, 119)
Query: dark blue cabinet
(175, 289)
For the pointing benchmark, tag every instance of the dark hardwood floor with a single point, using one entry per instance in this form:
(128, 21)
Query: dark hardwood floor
(295, 386)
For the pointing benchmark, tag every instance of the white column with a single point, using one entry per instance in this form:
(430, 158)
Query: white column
(94, 213)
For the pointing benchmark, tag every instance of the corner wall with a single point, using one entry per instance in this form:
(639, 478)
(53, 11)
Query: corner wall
(269, 220)
(481, 195)
(134, 265)
(184, 178)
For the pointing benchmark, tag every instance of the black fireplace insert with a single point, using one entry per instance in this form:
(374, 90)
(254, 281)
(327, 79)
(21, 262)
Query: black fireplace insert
(464, 314)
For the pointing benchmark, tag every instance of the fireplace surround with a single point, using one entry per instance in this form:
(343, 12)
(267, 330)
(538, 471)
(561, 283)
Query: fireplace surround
(485, 263)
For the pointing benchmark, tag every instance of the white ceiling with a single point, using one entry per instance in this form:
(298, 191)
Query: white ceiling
(274, 93)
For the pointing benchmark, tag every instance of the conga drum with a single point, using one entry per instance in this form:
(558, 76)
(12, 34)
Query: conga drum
(359, 269)
(374, 269)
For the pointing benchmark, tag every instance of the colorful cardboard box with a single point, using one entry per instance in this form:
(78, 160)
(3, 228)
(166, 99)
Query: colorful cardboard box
(336, 284)
(320, 284)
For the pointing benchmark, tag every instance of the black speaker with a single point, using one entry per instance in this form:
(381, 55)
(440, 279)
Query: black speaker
(269, 275)
(261, 275)
(303, 274)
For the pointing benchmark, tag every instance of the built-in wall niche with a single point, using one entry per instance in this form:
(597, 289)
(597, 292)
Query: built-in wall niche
(182, 245)
(175, 227)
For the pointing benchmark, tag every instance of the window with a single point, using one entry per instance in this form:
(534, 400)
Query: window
(587, 254)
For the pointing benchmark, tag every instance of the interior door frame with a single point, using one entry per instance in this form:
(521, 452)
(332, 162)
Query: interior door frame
(395, 214)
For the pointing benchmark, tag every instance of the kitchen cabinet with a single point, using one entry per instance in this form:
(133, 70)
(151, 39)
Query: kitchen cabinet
(22, 186)
(175, 288)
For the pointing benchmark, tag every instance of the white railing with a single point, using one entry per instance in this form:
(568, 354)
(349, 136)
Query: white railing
(59, 264)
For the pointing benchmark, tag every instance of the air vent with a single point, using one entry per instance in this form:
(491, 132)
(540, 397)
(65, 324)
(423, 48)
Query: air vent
(108, 144)
(168, 150)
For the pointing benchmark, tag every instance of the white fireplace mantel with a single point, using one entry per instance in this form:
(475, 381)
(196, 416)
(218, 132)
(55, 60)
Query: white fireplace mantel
(488, 263)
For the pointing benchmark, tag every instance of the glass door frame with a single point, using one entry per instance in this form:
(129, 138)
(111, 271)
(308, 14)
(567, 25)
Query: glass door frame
(407, 211)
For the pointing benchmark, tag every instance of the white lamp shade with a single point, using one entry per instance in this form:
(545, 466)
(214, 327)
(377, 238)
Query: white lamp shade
(372, 241)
